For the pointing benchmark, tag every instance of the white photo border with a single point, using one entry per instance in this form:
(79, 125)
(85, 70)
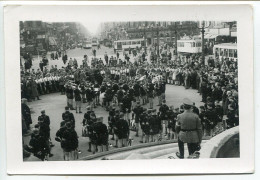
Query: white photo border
(243, 14)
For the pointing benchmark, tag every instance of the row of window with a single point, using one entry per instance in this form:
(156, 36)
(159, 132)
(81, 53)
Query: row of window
(129, 43)
(226, 52)
(189, 44)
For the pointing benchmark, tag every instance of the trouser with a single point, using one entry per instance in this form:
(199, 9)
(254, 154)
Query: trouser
(150, 102)
(160, 99)
(192, 147)
(70, 103)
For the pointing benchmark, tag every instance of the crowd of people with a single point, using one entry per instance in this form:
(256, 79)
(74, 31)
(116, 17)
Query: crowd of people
(122, 88)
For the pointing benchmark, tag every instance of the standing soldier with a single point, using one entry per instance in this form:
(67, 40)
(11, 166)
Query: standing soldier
(189, 129)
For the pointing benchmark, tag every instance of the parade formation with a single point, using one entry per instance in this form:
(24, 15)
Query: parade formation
(131, 88)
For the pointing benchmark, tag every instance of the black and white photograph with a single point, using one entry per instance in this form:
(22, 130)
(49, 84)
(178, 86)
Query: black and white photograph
(150, 88)
(145, 86)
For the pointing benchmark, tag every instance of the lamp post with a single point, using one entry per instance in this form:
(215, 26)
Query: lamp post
(202, 41)
(144, 31)
(158, 51)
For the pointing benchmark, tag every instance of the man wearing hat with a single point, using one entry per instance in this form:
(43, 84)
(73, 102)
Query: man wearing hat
(189, 129)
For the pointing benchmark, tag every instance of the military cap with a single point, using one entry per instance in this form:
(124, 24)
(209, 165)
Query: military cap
(42, 111)
(187, 101)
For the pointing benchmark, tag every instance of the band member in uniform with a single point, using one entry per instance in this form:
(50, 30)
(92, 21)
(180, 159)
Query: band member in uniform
(145, 126)
(150, 94)
(171, 123)
(155, 129)
(69, 94)
(138, 110)
(163, 116)
(122, 131)
(189, 129)
(77, 95)
(69, 142)
(38, 145)
(101, 133)
(69, 115)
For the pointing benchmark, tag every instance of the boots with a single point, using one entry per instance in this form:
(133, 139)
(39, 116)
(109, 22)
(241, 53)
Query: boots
(80, 110)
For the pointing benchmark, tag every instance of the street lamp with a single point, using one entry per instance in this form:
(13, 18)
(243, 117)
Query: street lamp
(202, 40)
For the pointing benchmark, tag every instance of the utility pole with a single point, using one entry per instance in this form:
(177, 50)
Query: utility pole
(175, 39)
(158, 52)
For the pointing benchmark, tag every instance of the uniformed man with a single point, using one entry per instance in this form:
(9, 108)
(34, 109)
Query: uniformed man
(122, 131)
(155, 126)
(138, 110)
(211, 119)
(111, 121)
(163, 110)
(101, 133)
(150, 94)
(69, 94)
(171, 123)
(69, 115)
(77, 95)
(145, 126)
(189, 129)
(38, 145)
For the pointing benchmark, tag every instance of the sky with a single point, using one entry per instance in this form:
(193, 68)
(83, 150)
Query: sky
(92, 26)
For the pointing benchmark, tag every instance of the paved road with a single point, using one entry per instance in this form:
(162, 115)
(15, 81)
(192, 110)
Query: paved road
(79, 53)
(54, 105)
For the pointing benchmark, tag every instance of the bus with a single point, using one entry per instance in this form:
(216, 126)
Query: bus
(225, 50)
(128, 44)
(94, 42)
(189, 46)
(87, 44)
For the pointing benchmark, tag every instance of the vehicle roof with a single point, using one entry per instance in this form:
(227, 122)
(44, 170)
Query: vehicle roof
(226, 45)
